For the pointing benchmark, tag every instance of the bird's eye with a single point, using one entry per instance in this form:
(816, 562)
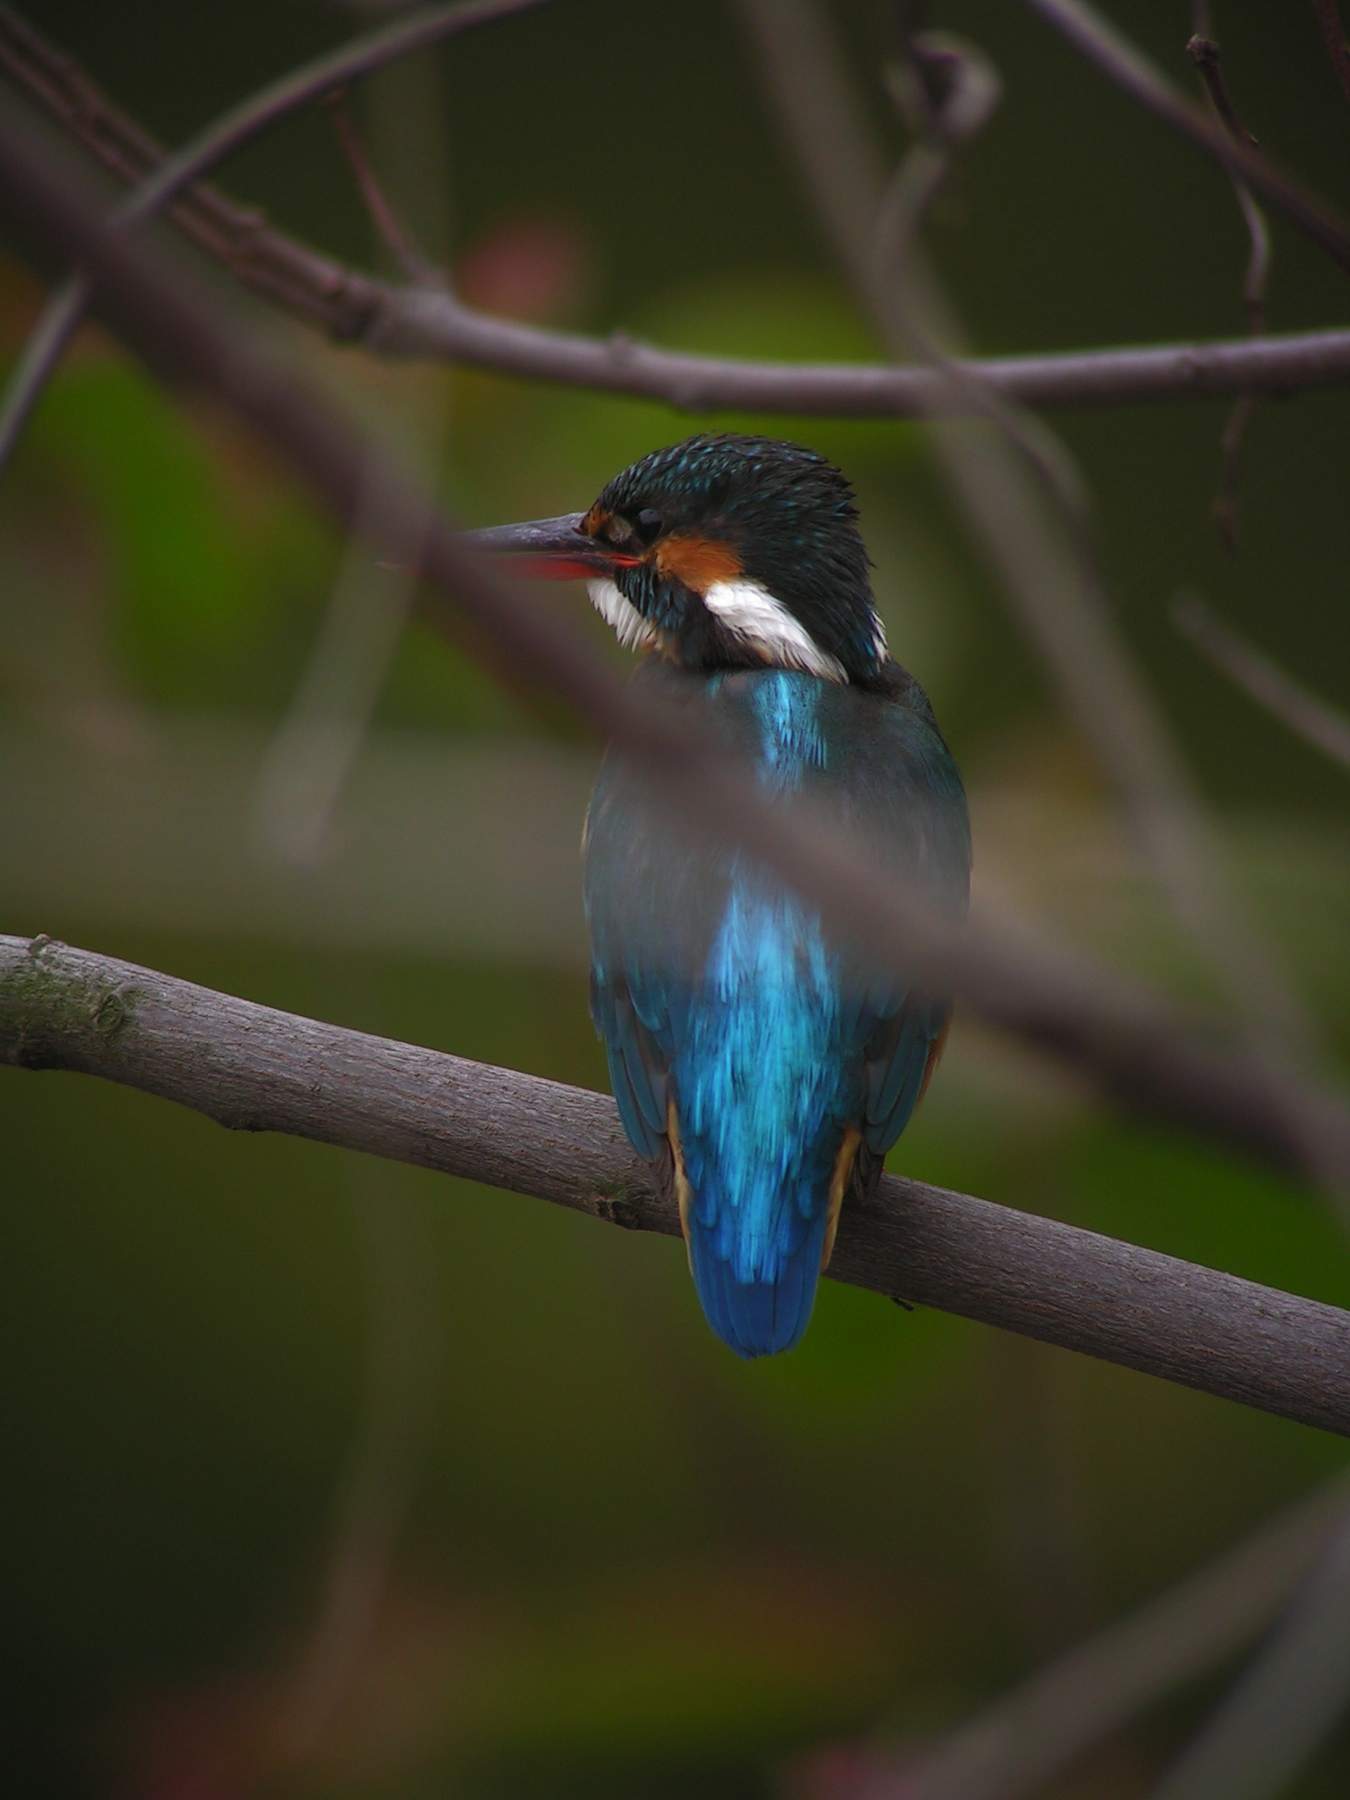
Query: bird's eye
(648, 525)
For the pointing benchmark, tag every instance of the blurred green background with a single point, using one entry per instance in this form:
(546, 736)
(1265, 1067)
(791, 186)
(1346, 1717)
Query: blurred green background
(330, 1477)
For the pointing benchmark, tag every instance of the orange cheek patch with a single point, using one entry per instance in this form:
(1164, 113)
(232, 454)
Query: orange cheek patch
(698, 562)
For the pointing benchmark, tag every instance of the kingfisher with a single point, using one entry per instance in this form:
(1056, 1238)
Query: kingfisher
(764, 1064)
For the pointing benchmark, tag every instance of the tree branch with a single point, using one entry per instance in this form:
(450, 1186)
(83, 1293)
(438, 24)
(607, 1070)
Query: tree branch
(1204, 53)
(255, 1069)
(1029, 510)
(413, 322)
(23, 49)
(388, 228)
(419, 322)
(1131, 71)
(1264, 681)
(1028, 1737)
(1333, 36)
(1143, 1052)
(1286, 1702)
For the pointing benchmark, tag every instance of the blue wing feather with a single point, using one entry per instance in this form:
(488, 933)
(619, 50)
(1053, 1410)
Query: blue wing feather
(897, 1064)
(641, 1109)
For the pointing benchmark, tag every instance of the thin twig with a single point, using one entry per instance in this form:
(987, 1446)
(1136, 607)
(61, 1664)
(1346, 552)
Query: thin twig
(409, 322)
(1204, 53)
(1024, 1740)
(415, 267)
(256, 1069)
(236, 127)
(1142, 1052)
(1300, 710)
(1131, 71)
(1333, 36)
(1290, 1698)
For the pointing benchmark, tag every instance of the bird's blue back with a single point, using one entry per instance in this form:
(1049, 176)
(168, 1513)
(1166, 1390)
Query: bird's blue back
(744, 1044)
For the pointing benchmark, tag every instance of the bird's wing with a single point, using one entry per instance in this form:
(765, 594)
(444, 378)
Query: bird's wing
(901, 1055)
(906, 799)
(639, 1068)
(650, 897)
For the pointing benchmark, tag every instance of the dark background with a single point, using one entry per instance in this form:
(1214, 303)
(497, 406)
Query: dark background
(330, 1477)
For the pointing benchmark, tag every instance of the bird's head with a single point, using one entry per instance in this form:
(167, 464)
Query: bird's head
(721, 552)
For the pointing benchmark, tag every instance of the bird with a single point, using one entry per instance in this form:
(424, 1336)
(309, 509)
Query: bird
(761, 1062)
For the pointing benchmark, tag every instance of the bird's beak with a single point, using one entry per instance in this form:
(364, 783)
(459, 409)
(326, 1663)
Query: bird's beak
(550, 549)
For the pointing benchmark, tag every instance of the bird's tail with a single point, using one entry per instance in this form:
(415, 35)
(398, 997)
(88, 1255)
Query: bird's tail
(756, 1267)
(757, 1317)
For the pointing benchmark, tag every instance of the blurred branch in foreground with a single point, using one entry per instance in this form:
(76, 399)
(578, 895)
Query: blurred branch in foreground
(1333, 36)
(256, 1069)
(1037, 1730)
(420, 321)
(405, 1358)
(1140, 1050)
(321, 737)
(1307, 716)
(796, 55)
(1029, 512)
(1290, 1698)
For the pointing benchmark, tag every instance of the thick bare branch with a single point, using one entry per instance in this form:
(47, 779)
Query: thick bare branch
(1144, 1053)
(419, 323)
(255, 1069)
(422, 322)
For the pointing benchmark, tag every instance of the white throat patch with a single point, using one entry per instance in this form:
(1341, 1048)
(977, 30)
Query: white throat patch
(634, 632)
(750, 612)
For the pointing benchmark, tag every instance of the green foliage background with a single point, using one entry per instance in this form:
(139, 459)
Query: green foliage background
(610, 1558)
